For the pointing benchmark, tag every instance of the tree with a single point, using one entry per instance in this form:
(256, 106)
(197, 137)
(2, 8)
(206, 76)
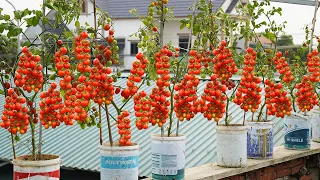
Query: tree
(285, 40)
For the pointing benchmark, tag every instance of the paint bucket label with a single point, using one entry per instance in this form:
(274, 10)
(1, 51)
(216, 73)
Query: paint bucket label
(168, 159)
(315, 128)
(54, 175)
(119, 167)
(297, 133)
(259, 142)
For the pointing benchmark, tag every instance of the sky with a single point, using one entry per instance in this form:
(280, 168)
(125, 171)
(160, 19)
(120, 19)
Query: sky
(297, 16)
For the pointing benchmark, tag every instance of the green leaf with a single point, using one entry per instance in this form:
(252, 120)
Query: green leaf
(27, 43)
(6, 17)
(48, 6)
(77, 24)
(87, 24)
(1, 92)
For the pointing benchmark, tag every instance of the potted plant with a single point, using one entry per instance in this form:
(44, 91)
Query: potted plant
(260, 129)
(23, 81)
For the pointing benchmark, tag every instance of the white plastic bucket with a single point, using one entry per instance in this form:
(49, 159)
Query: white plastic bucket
(297, 132)
(231, 145)
(168, 157)
(315, 126)
(259, 140)
(36, 170)
(119, 162)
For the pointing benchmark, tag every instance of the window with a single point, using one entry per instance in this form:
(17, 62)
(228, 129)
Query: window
(183, 43)
(134, 48)
(84, 6)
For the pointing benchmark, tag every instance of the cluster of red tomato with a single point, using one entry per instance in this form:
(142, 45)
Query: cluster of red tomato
(109, 38)
(63, 68)
(184, 105)
(277, 101)
(50, 105)
(29, 73)
(248, 94)
(82, 52)
(103, 89)
(124, 128)
(283, 67)
(224, 65)
(142, 106)
(15, 116)
(214, 99)
(306, 96)
(313, 66)
(137, 72)
(160, 93)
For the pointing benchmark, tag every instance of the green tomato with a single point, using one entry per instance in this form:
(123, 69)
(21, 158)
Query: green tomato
(83, 126)
(109, 63)
(166, 10)
(88, 119)
(119, 73)
(159, 12)
(99, 125)
(108, 20)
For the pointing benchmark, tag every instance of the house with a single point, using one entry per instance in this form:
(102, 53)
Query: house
(127, 24)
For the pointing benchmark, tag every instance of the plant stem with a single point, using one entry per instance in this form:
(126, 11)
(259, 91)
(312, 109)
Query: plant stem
(95, 23)
(33, 138)
(13, 147)
(100, 129)
(109, 126)
(244, 117)
(171, 110)
(260, 113)
(161, 41)
(116, 107)
(313, 25)
(227, 115)
(43, 65)
(177, 131)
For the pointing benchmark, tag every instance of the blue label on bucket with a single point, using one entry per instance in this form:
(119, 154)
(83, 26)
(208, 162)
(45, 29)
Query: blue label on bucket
(260, 143)
(127, 162)
(299, 138)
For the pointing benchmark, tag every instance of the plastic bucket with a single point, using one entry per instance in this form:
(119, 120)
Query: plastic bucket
(259, 140)
(231, 145)
(168, 157)
(315, 128)
(119, 162)
(24, 169)
(297, 132)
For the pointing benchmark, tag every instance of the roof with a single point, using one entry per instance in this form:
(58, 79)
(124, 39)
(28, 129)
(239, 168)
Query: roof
(121, 8)
(231, 6)
(79, 149)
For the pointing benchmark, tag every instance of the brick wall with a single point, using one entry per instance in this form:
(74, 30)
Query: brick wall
(306, 168)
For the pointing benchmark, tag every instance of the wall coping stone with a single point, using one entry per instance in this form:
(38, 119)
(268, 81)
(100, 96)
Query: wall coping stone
(280, 154)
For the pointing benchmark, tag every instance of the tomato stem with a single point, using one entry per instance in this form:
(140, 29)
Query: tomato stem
(171, 111)
(100, 128)
(13, 146)
(109, 126)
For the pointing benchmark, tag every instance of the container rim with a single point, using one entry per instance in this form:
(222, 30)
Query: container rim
(158, 137)
(116, 147)
(19, 161)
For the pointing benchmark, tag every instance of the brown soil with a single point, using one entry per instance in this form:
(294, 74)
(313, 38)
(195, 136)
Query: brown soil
(42, 157)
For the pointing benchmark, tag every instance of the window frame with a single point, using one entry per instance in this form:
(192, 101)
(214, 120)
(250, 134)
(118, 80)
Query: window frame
(132, 53)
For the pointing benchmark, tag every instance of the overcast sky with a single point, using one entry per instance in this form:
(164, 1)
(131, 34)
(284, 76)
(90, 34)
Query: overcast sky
(296, 15)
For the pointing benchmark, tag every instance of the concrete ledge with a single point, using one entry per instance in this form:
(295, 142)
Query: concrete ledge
(212, 171)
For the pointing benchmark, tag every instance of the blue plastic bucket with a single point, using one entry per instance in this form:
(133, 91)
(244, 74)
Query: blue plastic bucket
(297, 132)
(260, 140)
(119, 162)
